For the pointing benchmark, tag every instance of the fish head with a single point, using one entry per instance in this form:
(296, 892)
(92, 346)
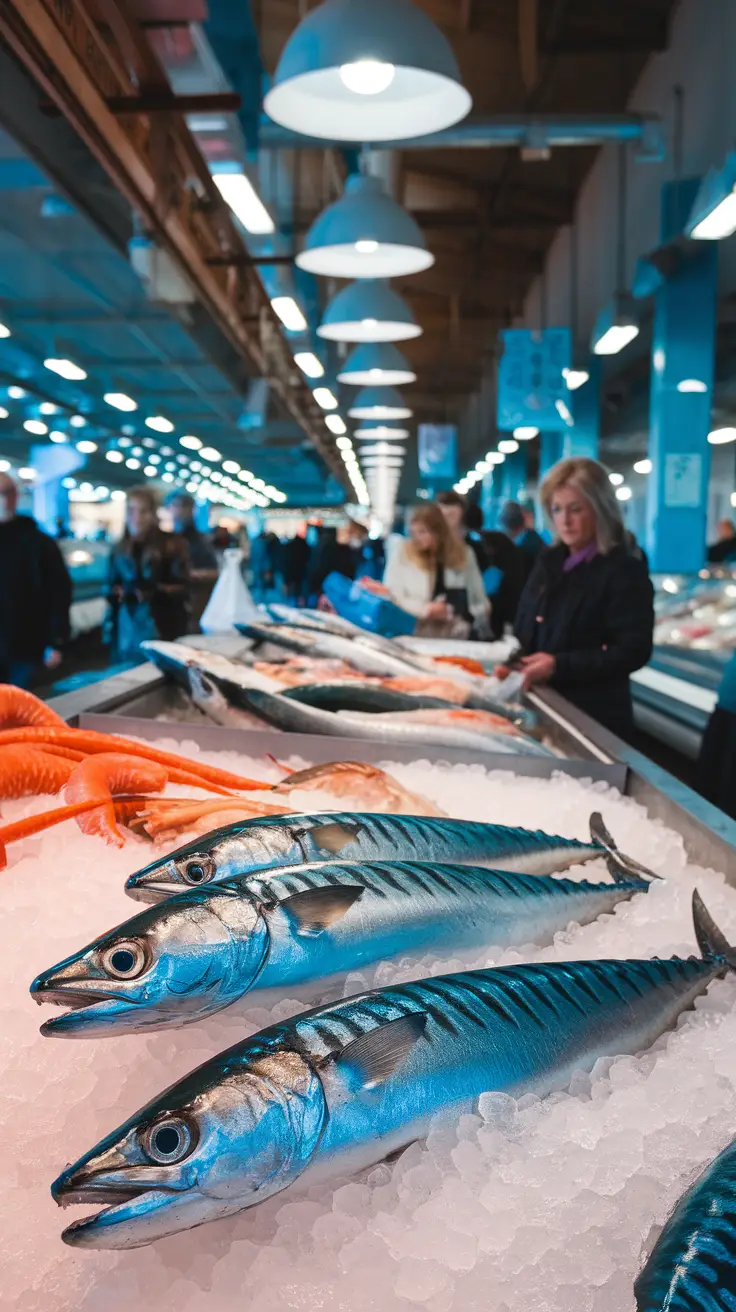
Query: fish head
(201, 686)
(228, 1136)
(174, 963)
(226, 853)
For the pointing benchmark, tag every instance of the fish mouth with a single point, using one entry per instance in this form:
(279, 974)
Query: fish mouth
(151, 889)
(106, 1227)
(86, 1008)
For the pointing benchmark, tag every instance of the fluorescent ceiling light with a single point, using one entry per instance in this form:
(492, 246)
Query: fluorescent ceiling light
(231, 466)
(718, 436)
(344, 444)
(57, 436)
(324, 397)
(616, 479)
(575, 378)
(48, 408)
(289, 313)
(379, 363)
(36, 426)
(206, 452)
(713, 214)
(364, 234)
(616, 325)
(78, 421)
(508, 446)
(27, 472)
(380, 430)
(643, 467)
(132, 463)
(309, 364)
(336, 424)
(190, 442)
(526, 433)
(692, 385)
(117, 495)
(564, 412)
(115, 457)
(119, 401)
(239, 193)
(66, 369)
(4, 466)
(721, 222)
(86, 447)
(150, 471)
(368, 311)
(349, 73)
(4, 414)
(16, 393)
(4, 330)
(379, 403)
(623, 493)
(159, 424)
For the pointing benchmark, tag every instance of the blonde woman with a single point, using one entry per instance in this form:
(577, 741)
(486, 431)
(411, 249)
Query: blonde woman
(586, 614)
(435, 576)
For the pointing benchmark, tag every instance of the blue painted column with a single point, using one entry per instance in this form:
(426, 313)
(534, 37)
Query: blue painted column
(513, 475)
(683, 347)
(50, 498)
(202, 516)
(585, 405)
(550, 451)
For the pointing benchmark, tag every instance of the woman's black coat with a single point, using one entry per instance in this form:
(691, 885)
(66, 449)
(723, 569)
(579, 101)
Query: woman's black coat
(597, 622)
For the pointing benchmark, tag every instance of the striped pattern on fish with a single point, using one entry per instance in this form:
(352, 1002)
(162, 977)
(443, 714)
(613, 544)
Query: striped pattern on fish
(340, 1087)
(289, 840)
(692, 1267)
(200, 951)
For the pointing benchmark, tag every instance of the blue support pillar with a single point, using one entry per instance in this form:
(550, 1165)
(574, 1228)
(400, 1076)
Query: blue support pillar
(585, 405)
(550, 451)
(513, 476)
(50, 498)
(202, 516)
(683, 347)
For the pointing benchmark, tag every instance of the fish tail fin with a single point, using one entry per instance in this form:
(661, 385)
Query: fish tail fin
(620, 866)
(711, 940)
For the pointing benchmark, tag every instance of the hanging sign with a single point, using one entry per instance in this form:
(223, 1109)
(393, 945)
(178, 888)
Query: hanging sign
(437, 451)
(682, 480)
(530, 379)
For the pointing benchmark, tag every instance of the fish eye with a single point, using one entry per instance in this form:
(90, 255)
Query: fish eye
(125, 960)
(168, 1141)
(198, 869)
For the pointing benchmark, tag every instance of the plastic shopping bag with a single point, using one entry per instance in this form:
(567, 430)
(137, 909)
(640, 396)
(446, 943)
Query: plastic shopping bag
(231, 602)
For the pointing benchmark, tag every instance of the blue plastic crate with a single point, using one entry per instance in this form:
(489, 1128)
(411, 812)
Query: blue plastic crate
(365, 609)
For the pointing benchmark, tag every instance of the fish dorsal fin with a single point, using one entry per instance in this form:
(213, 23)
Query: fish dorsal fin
(316, 909)
(711, 940)
(371, 1059)
(333, 837)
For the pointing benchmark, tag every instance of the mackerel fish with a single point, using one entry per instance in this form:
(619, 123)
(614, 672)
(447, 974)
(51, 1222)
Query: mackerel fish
(312, 642)
(294, 840)
(202, 950)
(341, 1087)
(692, 1267)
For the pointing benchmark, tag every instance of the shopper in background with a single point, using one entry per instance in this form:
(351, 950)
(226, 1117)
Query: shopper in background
(723, 551)
(434, 575)
(263, 556)
(716, 776)
(586, 615)
(202, 559)
(337, 553)
(504, 572)
(35, 594)
(149, 581)
(514, 520)
(295, 555)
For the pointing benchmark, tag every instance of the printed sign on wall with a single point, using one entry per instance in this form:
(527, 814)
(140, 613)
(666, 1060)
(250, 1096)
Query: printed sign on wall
(530, 379)
(438, 451)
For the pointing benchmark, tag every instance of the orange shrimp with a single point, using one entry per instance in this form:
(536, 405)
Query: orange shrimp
(28, 771)
(35, 824)
(161, 819)
(18, 707)
(92, 741)
(107, 773)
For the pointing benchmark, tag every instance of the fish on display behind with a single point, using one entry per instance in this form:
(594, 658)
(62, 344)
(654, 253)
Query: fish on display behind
(175, 659)
(355, 695)
(200, 951)
(308, 642)
(294, 840)
(692, 1267)
(336, 1089)
(367, 785)
(208, 699)
(296, 717)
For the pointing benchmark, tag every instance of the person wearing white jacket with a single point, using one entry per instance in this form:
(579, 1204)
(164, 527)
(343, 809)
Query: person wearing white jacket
(435, 576)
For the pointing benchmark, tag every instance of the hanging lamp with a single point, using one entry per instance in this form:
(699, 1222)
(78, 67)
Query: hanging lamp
(382, 431)
(379, 363)
(358, 71)
(364, 234)
(368, 311)
(379, 403)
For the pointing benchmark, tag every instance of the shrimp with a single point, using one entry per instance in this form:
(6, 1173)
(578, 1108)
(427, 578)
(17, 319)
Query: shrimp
(91, 741)
(162, 820)
(107, 773)
(376, 790)
(28, 771)
(18, 707)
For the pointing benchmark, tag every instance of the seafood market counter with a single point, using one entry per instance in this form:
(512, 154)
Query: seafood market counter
(142, 703)
(675, 694)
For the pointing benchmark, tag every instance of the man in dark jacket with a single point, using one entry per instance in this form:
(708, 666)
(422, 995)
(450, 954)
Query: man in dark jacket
(594, 623)
(35, 594)
(202, 559)
(514, 521)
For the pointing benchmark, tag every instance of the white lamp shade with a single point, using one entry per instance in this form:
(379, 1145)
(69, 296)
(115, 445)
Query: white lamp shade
(379, 403)
(364, 234)
(377, 363)
(368, 311)
(382, 431)
(405, 80)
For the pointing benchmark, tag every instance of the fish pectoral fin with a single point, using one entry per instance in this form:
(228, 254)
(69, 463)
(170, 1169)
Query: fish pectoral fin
(333, 837)
(316, 909)
(371, 1059)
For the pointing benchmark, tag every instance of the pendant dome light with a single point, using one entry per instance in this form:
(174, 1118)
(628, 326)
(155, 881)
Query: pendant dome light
(379, 403)
(364, 234)
(368, 311)
(382, 431)
(353, 71)
(377, 363)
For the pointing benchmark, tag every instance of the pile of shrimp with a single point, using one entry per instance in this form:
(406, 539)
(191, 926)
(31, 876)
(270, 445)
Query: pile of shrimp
(110, 783)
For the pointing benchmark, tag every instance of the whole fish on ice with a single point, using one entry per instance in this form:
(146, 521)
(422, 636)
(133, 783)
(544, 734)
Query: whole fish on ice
(208, 699)
(200, 951)
(311, 642)
(295, 840)
(692, 1267)
(336, 1089)
(175, 659)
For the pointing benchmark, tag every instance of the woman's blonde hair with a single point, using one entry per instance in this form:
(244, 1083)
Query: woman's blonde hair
(449, 552)
(591, 480)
